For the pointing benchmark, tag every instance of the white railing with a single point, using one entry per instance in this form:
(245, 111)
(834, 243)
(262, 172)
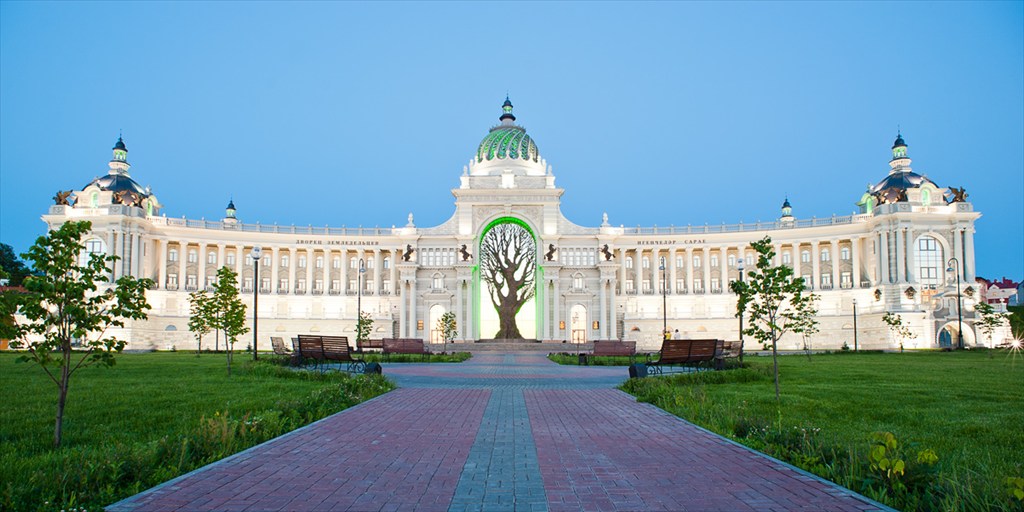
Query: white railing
(744, 226)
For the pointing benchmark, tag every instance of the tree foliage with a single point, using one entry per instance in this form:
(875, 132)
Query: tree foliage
(229, 311)
(364, 326)
(1016, 320)
(446, 324)
(774, 301)
(202, 316)
(899, 330)
(72, 308)
(508, 264)
(989, 319)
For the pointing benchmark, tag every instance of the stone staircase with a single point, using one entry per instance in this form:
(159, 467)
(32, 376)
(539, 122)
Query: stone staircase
(491, 346)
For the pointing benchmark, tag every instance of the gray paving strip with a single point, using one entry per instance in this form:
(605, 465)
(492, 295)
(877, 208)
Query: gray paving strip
(501, 472)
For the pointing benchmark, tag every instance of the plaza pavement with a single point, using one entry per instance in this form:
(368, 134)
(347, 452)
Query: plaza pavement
(499, 432)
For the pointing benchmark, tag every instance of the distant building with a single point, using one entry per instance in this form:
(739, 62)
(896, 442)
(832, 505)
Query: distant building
(998, 292)
(593, 282)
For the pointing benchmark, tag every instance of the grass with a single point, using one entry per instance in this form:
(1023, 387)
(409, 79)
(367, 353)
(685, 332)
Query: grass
(573, 359)
(968, 407)
(148, 419)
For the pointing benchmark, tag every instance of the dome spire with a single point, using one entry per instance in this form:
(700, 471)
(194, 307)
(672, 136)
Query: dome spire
(119, 164)
(506, 112)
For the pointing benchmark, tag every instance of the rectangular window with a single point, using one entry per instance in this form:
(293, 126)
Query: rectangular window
(335, 284)
(732, 260)
(846, 280)
(786, 259)
(319, 262)
(230, 259)
(302, 262)
(844, 253)
(247, 283)
(172, 255)
(336, 262)
(826, 280)
(805, 256)
(647, 285)
(680, 285)
(193, 256)
(284, 262)
(713, 260)
(211, 258)
(300, 285)
(629, 285)
(172, 280)
(826, 255)
(679, 262)
(715, 284)
(386, 286)
(698, 285)
(266, 261)
(696, 262)
(265, 284)
(282, 285)
(190, 281)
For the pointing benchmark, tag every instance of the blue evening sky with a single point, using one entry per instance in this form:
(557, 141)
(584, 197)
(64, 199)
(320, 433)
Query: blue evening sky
(656, 113)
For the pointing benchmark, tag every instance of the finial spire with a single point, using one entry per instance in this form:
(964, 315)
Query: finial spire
(506, 112)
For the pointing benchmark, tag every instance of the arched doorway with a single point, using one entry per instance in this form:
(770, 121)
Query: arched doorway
(946, 338)
(506, 303)
(434, 315)
(578, 323)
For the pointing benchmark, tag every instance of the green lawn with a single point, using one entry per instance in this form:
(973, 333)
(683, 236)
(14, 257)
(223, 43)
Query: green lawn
(966, 406)
(149, 418)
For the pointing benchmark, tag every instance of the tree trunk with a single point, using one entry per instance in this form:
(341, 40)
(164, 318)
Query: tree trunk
(62, 397)
(507, 320)
(775, 362)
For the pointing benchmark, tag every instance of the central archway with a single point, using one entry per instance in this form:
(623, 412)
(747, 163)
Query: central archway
(506, 277)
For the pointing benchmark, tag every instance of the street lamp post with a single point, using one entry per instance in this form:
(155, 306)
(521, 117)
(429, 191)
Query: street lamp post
(854, 325)
(959, 303)
(664, 301)
(255, 255)
(739, 267)
(359, 304)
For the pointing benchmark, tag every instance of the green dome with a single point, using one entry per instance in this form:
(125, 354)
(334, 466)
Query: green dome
(507, 142)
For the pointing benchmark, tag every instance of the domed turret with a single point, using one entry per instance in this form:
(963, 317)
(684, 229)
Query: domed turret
(901, 178)
(787, 211)
(507, 141)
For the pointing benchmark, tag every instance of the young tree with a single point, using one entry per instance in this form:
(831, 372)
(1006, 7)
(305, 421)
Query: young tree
(508, 265)
(774, 302)
(72, 308)
(989, 319)
(364, 325)
(446, 324)
(202, 316)
(229, 311)
(899, 331)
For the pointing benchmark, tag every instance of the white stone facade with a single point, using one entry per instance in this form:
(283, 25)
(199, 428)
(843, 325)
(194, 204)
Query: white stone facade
(601, 282)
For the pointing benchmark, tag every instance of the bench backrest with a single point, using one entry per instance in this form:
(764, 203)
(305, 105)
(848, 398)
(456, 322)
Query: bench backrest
(311, 347)
(278, 345)
(336, 348)
(732, 349)
(371, 344)
(614, 348)
(687, 351)
(403, 345)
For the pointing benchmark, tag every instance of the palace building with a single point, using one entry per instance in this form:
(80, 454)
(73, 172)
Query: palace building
(591, 282)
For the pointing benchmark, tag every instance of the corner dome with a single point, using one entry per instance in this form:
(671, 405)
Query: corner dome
(117, 183)
(894, 187)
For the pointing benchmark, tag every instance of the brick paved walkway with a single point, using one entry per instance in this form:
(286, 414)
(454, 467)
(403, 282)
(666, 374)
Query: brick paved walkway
(499, 432)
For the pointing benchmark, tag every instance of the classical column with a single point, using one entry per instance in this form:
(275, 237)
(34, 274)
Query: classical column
(602, 313)
(883, 257)
(344, 273)
(459, 317)
(403, 324)
(688, 268)
(910, 254)
(723, 268)
(900, 257)
(120, 264)
(394, 271)
(672, 270)
(958, 247)
(378, 271)
(137, 255)
(797, 261)
(638, 264)
(240, 256)
(656, 271)
(328, 261)
(613, 317)
(558, 309)
(855, 254)
(310, 269)
(622, 270)
(201, 274)
(160, 246)
(414, 332)
(815, 266)
(706, 264)
(836, 260)
(112, 250)
(182, 264)
(275, 273)
(969, 254)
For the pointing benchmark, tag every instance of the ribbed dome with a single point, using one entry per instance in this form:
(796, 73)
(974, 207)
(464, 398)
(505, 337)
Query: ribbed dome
(118, 182)
(507, 142)
(893, 188)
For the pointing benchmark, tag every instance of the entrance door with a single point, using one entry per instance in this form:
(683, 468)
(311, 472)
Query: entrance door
(436, 311)
(946, 338)
(578, 323)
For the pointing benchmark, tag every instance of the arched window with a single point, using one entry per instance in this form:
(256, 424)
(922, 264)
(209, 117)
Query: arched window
(193, 256)
(211, 258)
(629, 262)
(929, 260)
(844, 253)
(284, 261)
(805, 256)
(926, 197)
(387, 263)
(319, 262)
(172, 255)
(826, 255)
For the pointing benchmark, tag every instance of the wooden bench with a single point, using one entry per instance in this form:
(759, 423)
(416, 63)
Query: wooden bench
(403, 346)
(371, 344)
(726, 350)
(279, 348)
(612, 348)
(695, 353)
(323, 349)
